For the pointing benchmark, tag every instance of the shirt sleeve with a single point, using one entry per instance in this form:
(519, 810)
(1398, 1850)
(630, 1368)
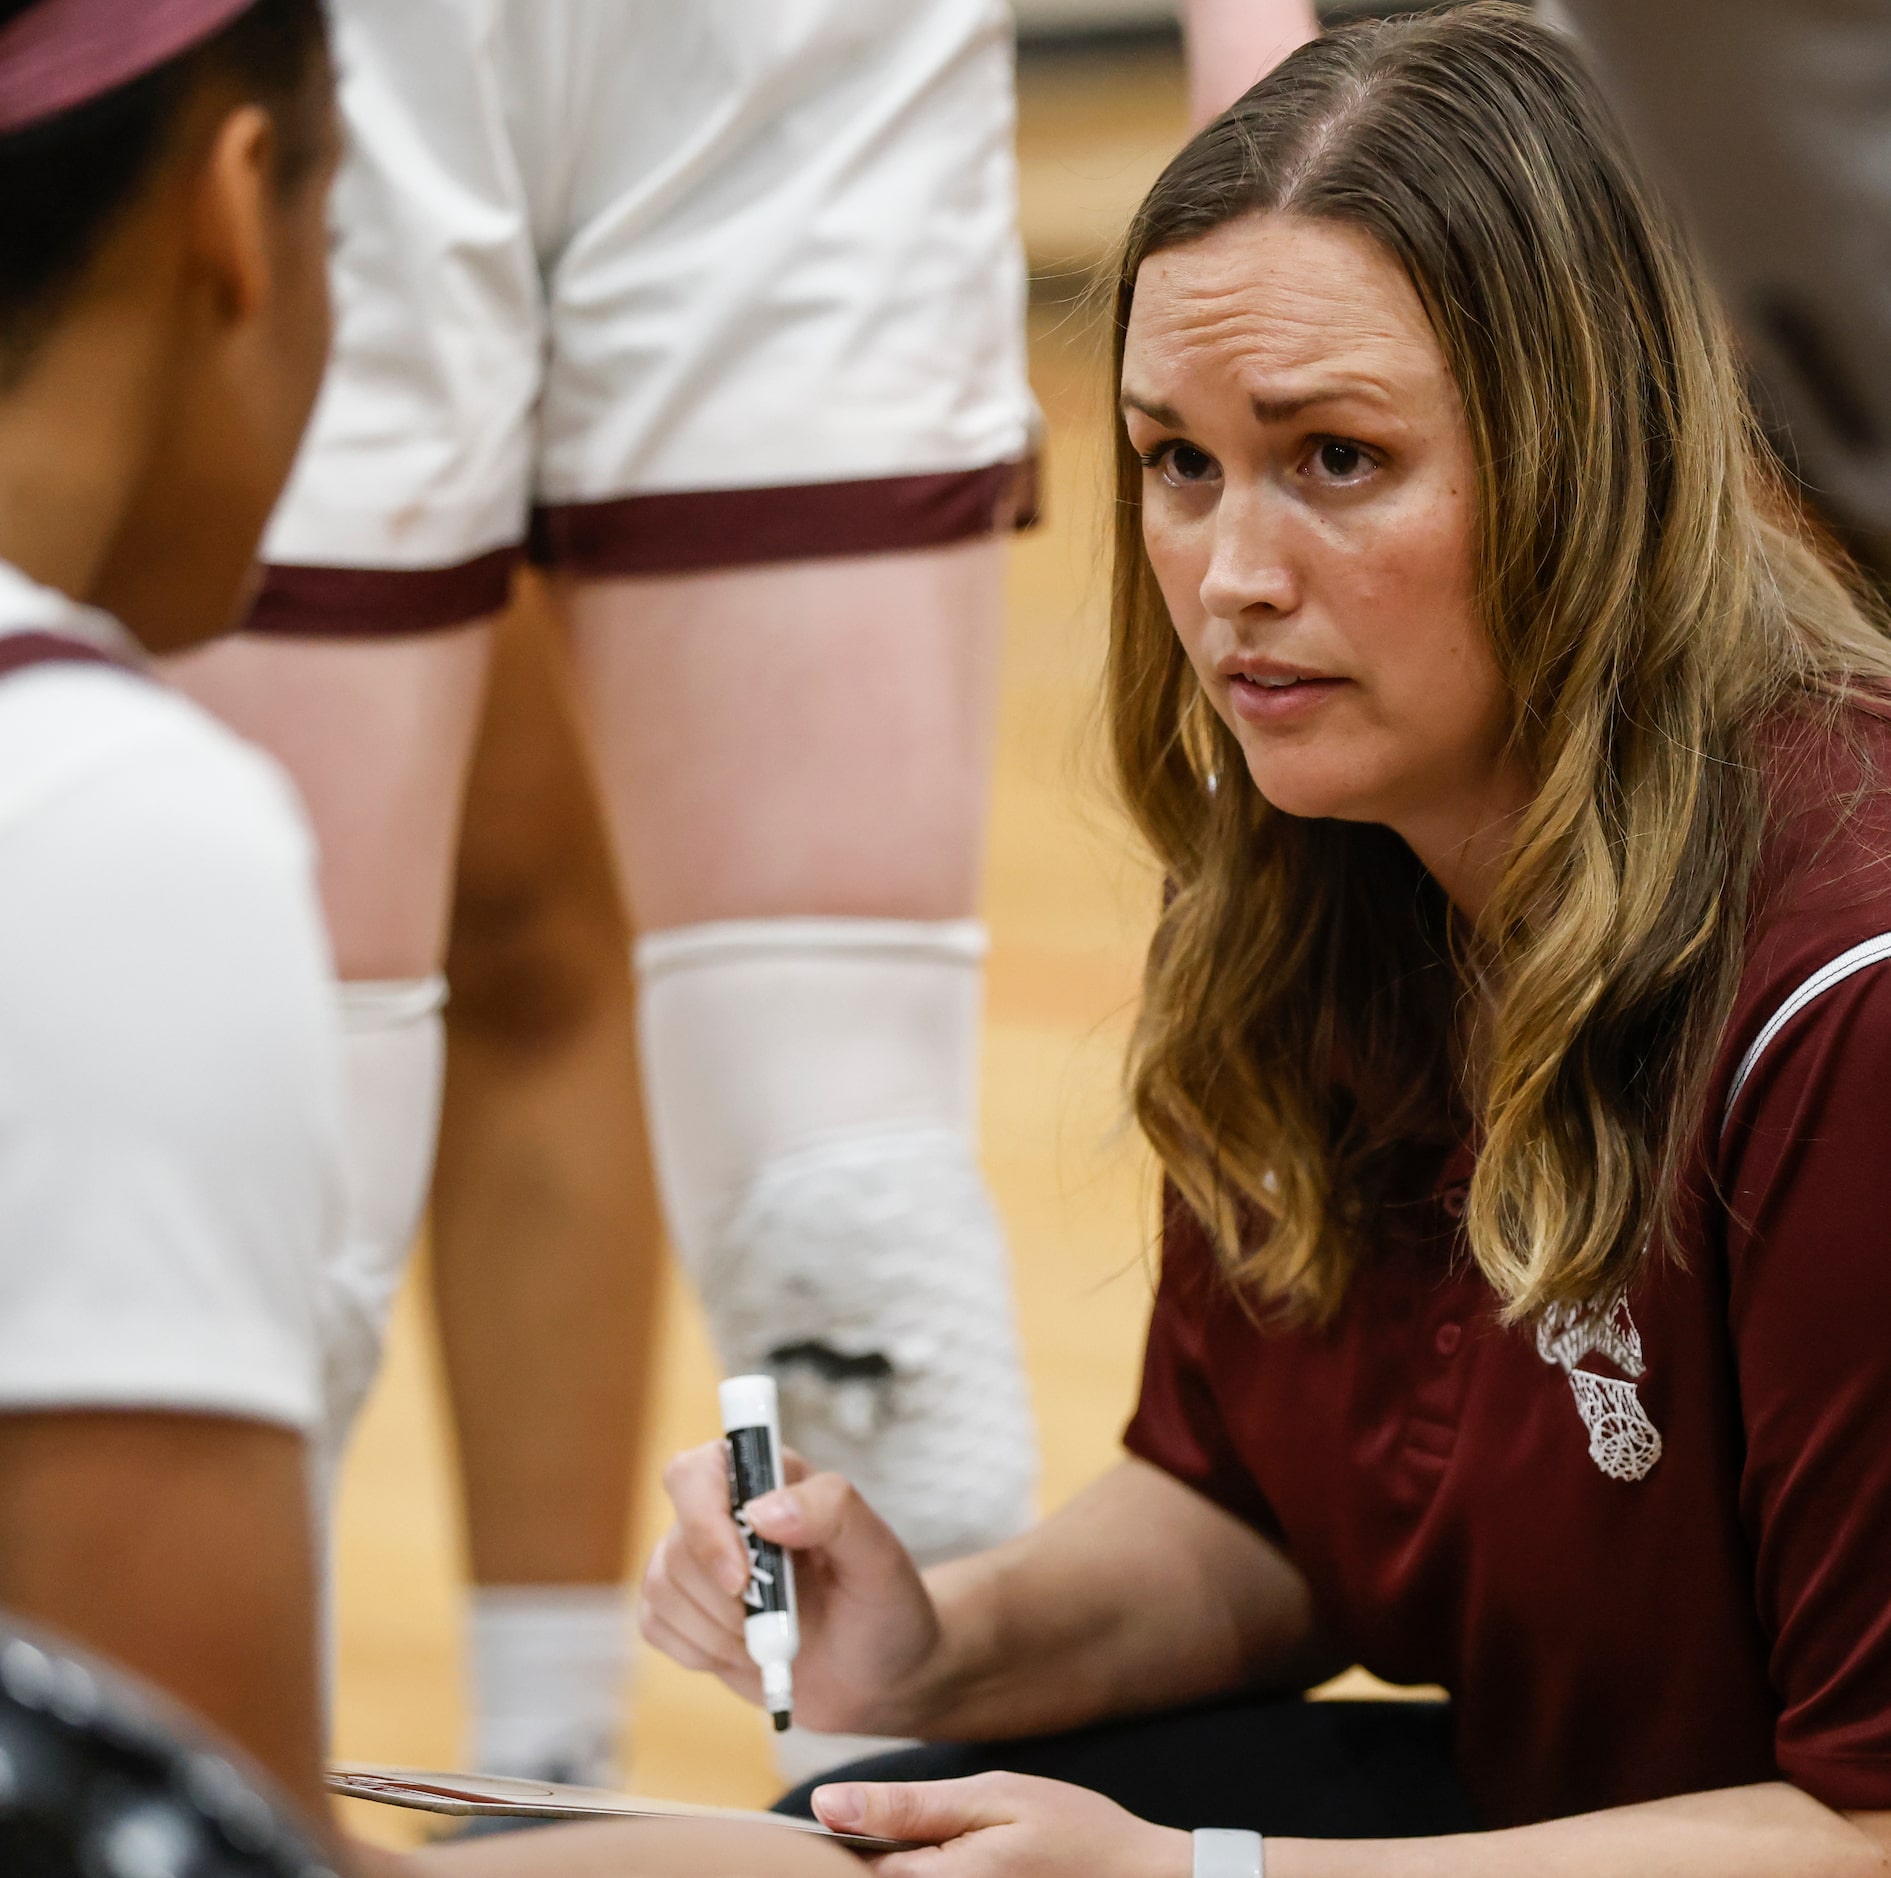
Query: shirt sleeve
(1806, 1167)
(1178, 1425)
(169, 1089)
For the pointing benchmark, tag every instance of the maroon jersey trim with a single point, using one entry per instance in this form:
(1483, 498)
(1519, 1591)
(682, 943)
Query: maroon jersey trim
(20, 651)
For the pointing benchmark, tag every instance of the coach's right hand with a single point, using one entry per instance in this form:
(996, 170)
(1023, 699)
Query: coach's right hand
(869, 1630)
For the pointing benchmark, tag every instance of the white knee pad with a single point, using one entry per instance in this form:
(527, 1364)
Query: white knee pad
(393, 1058)
(811, 1086)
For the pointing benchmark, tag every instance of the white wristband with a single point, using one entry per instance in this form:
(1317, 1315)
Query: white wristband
(1223, 1854)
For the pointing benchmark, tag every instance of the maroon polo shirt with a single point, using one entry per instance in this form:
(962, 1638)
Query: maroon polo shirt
(1719, 1617)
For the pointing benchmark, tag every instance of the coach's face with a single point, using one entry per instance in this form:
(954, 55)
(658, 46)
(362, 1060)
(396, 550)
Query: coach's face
(1309, 509)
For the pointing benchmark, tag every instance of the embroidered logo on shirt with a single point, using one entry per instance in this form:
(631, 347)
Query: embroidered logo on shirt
(1623, 1442)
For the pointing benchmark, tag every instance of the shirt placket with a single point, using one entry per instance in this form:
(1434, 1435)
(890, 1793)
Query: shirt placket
(1437, 1351)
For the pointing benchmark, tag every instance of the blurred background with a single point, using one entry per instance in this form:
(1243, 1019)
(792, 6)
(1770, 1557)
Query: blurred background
(1102, 107)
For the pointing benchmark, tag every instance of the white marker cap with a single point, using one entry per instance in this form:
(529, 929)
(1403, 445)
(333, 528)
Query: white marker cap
(749, 1402)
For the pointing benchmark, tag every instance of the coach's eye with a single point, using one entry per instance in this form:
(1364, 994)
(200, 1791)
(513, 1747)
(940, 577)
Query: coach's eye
(1341, 460)
(1179, 463)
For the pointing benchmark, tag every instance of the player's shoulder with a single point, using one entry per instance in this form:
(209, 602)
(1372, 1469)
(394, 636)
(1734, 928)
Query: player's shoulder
(160, 929)
(148, 857)
(84, 741)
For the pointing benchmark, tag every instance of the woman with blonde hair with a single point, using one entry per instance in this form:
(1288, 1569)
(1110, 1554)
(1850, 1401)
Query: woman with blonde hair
(1514, 1040)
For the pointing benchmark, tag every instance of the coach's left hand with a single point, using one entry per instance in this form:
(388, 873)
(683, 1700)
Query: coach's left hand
(1004, 1826)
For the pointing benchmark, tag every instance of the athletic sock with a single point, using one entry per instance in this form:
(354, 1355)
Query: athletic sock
(551, 1669)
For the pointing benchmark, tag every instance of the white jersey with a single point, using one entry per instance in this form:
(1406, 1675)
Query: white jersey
(169, 1070)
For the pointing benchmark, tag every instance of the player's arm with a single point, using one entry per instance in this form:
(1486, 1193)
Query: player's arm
(179, 1546)
(166, 1064)
(1234, 43)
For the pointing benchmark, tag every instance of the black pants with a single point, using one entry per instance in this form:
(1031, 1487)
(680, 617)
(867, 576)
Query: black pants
(1298, 1770)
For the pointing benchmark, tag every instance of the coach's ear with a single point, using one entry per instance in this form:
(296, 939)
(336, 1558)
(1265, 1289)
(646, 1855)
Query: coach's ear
(179, 1546)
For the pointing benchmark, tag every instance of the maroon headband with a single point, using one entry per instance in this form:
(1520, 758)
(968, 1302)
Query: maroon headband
(62, 53)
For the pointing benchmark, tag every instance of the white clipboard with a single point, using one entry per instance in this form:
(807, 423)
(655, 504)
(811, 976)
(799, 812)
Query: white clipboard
(488, 1796)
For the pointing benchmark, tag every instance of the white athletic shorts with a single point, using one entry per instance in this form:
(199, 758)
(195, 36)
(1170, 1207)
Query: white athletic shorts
(651, 286)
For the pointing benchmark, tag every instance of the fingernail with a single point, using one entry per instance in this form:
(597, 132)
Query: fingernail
(779, 1509)
(733, 1575)
(840, 1806)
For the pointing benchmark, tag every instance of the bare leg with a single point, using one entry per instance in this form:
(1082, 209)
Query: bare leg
(546, 1247)
(377, 735)
(805, 739)
(795, 760)
(546, 1252)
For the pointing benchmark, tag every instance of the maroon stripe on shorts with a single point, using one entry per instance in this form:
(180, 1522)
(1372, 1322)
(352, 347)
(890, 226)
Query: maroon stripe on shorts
(378, 602)
(698, 530)
(20, 651)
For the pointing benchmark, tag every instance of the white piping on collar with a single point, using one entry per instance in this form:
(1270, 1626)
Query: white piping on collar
(27, 605)
(1867, 952)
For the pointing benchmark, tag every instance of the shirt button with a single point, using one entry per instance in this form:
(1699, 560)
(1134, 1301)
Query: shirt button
(1448, 1338)
(1453, 1199)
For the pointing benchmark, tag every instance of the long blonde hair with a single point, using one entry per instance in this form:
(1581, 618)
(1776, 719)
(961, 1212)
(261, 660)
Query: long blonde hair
(1651, 599)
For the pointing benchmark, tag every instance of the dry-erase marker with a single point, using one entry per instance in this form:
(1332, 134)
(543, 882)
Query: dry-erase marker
(751, 1418)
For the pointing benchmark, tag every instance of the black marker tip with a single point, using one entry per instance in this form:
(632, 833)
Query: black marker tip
(783, 1720)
